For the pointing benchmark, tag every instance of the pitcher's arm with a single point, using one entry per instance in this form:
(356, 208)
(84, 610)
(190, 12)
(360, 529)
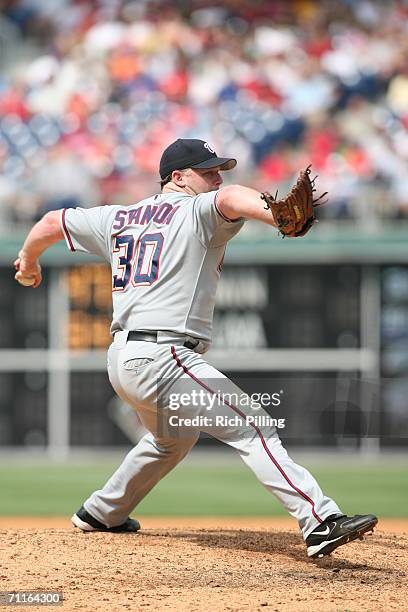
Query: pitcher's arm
(42, 235)
(236, 201)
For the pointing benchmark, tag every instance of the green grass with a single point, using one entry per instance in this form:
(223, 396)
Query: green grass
(194, 490)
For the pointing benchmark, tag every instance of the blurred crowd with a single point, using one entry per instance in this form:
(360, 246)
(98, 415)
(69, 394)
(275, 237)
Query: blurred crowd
(277, 84)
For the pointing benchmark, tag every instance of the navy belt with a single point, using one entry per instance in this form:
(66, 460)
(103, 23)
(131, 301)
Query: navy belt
(152, 337)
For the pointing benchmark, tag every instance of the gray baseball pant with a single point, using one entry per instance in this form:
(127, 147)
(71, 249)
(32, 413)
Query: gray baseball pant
(137, 370)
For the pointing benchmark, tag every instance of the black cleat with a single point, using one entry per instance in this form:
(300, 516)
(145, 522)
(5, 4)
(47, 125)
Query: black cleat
(336, 531)
(86, 522)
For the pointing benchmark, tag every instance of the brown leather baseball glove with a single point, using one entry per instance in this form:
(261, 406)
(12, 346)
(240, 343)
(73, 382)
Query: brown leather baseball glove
(294, 214)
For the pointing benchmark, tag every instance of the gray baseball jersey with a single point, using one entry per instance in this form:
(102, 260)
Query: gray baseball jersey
(166, 254)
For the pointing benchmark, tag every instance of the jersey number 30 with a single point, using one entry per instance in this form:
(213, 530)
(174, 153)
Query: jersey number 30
(140, 269)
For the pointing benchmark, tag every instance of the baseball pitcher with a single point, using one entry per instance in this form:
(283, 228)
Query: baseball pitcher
(166, 255)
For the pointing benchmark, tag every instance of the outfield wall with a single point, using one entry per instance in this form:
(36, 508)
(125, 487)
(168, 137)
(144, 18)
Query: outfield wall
(323, 318)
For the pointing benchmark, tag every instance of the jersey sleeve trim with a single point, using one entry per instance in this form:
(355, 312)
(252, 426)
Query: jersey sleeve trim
(68, 238)
(221, 214)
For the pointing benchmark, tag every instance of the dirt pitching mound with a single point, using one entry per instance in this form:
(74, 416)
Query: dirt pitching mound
(204, 569)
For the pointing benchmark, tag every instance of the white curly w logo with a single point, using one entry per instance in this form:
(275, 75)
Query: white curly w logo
(207, 146)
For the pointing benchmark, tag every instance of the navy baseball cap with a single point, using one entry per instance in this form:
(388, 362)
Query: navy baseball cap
(192, 153)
